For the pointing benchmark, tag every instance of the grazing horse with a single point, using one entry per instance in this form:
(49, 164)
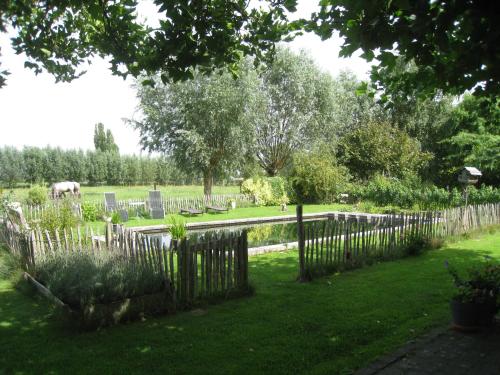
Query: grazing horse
(59, 189)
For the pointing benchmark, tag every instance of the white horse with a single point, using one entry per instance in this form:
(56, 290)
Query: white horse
(59, 189)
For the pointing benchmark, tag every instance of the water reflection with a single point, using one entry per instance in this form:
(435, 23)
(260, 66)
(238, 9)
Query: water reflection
(258, 235)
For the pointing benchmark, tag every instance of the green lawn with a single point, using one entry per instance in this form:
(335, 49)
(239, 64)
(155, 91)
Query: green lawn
(332, 325)
(96, 193)
(238, 213)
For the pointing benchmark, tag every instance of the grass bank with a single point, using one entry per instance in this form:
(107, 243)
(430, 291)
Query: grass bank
(332, 325)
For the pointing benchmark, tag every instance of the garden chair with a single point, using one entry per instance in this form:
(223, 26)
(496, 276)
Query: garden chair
(191, 211)
(217, 209)
(110, 205)
(110, 202)
(156, 205)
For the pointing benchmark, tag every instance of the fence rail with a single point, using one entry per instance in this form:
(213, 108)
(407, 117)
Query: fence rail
(348, 240)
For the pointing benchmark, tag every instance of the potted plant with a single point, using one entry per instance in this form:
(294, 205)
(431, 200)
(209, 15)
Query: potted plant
(476, 299)
(115, 220)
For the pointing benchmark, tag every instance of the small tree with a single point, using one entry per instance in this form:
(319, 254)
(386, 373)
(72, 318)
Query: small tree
(290, 106)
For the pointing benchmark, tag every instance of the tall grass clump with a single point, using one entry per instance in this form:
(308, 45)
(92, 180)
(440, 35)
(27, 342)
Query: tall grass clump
(178, 228)
(85, 279)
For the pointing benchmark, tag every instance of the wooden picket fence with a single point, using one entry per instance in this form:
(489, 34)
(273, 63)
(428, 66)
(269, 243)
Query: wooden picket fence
(203, 268)
(170, 204)
(348, 241)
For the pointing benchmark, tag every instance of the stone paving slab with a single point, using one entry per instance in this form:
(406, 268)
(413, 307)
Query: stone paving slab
(444, 351)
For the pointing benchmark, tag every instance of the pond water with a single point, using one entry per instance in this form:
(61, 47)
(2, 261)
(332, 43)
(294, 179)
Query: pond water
(258, 234)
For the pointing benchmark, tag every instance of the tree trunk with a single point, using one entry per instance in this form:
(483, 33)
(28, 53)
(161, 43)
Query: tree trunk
(207, 182)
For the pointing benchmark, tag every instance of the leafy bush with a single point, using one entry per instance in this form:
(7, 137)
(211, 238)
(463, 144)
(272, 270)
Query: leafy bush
(317, 178)
(409, 193)
(58, 217)
(37, 195)
(83, 279)
(90, 212)
(266, 191)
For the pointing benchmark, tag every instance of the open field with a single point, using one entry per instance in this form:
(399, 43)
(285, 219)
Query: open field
(96, 193)
(332, 325)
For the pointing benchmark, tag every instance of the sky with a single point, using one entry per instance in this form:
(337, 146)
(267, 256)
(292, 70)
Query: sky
(36, 111)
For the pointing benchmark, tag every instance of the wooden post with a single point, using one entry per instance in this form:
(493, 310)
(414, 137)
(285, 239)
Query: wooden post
(244, 256)
(301, 238)
(109, 235)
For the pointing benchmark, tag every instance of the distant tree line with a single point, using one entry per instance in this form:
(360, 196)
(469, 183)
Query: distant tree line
(34, 165)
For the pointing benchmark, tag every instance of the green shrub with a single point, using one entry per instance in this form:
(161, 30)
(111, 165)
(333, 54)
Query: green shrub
(58, 217)
(317, 178)
(83, 279)
(37, 195)
(266, 191)
(90, 212)
(410, 193)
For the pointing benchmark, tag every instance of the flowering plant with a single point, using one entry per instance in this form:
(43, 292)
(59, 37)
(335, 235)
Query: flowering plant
(481, 286)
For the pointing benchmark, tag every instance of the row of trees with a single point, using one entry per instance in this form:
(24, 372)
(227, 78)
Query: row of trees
(215, 124)
(46, 165)
(269, 122)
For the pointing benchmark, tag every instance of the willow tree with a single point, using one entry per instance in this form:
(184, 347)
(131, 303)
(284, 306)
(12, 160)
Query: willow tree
(199, 122)
(290, 108)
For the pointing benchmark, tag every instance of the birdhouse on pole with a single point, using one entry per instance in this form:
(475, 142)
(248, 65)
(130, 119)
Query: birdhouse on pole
(469, 176)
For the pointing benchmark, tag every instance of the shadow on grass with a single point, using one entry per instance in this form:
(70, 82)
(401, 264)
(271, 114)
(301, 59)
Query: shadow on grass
(334, 324)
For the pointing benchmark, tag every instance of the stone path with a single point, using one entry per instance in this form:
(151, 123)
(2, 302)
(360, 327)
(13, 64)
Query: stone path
(444, 352)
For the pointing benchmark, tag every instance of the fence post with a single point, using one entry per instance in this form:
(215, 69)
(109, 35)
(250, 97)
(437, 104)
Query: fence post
(108, 235)
(244, 256)
(301, 239)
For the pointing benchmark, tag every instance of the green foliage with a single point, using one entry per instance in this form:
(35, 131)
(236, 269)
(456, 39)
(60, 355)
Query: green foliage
(83, 279)
(481, 285)
(90, 212)
(381, 148)
(472, 137)
(35, 165)
(103, 140)
(10, 166)
(37, 195)
(58, 218)
(116, 218)
(317, 177)
(198, 121)
(440, 38)
(270, 191)
(178, 228)
(411, 194)
(290, 106)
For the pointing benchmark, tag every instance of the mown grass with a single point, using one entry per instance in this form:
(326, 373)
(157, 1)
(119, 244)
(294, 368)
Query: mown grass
(238, 213)
(329, 326)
